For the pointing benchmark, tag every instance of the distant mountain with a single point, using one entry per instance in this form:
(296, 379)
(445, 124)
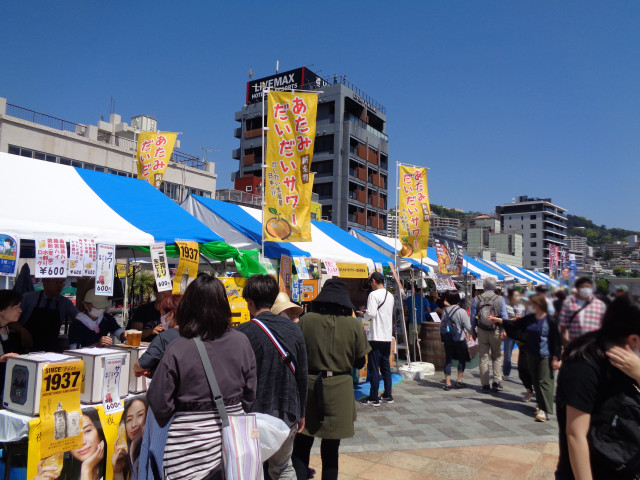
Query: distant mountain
(596, 235)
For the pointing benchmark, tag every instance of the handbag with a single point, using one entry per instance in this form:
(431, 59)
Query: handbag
(240, 436)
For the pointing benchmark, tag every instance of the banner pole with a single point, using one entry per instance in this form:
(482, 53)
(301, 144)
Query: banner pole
(264, 183)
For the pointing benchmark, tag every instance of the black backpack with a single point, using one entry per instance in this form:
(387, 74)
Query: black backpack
(447, 326)
(485, 308)
(614, 434)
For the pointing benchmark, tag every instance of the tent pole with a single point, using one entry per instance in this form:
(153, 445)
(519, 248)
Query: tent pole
(416, 332)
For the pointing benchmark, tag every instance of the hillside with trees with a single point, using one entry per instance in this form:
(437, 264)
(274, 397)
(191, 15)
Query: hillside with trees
(597, 235)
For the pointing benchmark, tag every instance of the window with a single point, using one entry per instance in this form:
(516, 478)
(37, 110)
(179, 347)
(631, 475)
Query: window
(534, 254)
(521, 217)
(66, 161)
(324, 190)
(534, 244)
(14, 150)
(532, 217)
(248, 188)
(534, 263)
(533, 235)
(533, 225)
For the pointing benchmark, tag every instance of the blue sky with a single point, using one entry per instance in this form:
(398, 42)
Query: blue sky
(497, 98)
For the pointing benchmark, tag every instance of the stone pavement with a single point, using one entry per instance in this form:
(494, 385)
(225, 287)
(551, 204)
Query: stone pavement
(431, 433)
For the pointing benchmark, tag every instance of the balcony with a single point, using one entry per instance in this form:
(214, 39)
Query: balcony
(235, 154)
(357, 195)
(256, 132)
(551, 228)
(237, 132)
(368, 128)
(359, 173)
(249, 159)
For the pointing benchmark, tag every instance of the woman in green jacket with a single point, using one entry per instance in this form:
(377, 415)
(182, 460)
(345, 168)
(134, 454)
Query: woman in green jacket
(336, 343)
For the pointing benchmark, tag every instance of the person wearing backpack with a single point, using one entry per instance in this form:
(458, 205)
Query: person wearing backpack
(455, 322)
(598, 399)
(490, 335)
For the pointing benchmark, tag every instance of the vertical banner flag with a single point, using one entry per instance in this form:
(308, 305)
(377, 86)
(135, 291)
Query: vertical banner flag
(51, 257)
(187, 267)
(76, 257)
(563, 263)
(105, 266)
(285, 274)
(553, 260)
(60, 407)
(160, 266)
(291, 118)
(89, 258)
(9, 255)
(413, 212)
(450, 254)
(573, 268)
(154, 152)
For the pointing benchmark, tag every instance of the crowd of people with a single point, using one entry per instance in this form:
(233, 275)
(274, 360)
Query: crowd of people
(594, 345)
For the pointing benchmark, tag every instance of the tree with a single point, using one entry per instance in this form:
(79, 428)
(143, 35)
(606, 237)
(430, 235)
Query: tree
(619, 271)
(602, 286)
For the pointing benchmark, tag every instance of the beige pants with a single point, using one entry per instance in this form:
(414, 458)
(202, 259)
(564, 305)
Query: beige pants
(489, 340)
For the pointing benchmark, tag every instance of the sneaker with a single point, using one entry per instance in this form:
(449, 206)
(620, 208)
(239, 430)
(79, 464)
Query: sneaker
(387, 399)
(486, 389)
(374, 403)
(497, 387)
(446, 387)
(527, 397)
(460, 384)
(541, 416)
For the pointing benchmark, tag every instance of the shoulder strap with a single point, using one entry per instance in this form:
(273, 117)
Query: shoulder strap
(213, 384)
(386, 292)
(286, 356)
(575, 314)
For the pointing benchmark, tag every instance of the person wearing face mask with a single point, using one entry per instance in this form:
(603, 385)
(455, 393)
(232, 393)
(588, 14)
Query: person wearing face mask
(581, 313)
(598, 393)
(94, 327)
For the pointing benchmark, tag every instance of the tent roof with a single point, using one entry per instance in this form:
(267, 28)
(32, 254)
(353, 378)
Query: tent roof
(386, 245)
(48, 198)
(244, 224)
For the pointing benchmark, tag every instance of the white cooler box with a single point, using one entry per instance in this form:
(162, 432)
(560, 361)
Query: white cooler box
(136, 384)
(23, 382)
(93, 372)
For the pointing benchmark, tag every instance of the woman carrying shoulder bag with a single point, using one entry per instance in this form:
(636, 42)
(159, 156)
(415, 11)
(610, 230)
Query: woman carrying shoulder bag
(457, 321)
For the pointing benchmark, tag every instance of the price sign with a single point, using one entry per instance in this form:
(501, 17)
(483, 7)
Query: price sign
(105, 267)
(160, 266)
(332, 268)
(51, 257)
(60, 414)
(188, 266)
(111, 385)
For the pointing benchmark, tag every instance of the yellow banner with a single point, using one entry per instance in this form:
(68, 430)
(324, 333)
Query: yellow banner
(291, 120)
(105, 443)
(414, 213)
(187, 267)
(239, 309)
(60, 417)
(154, 152)
(353, 270)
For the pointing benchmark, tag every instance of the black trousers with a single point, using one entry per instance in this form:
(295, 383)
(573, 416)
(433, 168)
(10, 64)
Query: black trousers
(328, 452)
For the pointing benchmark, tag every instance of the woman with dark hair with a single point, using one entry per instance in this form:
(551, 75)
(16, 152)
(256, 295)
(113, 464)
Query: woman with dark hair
(9, 313)
(543, 346)
(336, 343)
(457, 321)
(87, 462)
(180, 389)
(598, 384)
(131, 425)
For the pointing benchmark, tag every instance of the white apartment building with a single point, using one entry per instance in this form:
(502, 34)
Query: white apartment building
(106, 147)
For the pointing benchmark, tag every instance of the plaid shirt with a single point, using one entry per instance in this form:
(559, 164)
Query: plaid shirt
(588, 320)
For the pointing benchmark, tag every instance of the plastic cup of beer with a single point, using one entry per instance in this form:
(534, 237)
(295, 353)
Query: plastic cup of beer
(55, 460)
(136, 338)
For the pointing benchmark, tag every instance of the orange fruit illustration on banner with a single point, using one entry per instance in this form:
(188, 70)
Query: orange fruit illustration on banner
(278, 227)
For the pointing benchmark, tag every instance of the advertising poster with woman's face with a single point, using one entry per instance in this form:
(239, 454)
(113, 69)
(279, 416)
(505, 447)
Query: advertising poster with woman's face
(110, 446)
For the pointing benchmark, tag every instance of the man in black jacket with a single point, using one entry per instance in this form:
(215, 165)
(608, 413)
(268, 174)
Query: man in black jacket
(281, 360)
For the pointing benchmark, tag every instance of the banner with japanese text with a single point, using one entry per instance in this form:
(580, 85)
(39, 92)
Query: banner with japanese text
(553, 260)
(414, 213)
(450, 254)
(291, 118)
(60, 407)
(160, 265)
(563, 263)
(284, 277)
(187, 267)
(51, 257)
(105, 267)
(154, 152)
(9, 255)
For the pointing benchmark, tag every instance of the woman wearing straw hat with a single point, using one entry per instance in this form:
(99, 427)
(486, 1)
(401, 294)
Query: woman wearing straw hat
(336, 343)
(285, 307)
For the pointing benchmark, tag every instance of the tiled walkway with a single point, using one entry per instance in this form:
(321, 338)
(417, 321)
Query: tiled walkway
(429, 433)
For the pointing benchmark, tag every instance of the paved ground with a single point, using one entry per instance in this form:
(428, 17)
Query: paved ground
(432, 434)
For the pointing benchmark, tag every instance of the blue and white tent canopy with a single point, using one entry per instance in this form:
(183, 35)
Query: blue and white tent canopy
(47, 198)
(241, 225)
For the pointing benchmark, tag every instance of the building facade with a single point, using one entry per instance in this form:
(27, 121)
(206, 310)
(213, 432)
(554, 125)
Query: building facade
(106, 147)
(351, 153)
(577, 244)
(541, 224)
(485, 239)
(447, 227)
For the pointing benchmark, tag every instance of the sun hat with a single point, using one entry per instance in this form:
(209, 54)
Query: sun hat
(622, 288)
(335, 291)
(283, 303)
(98, 301)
